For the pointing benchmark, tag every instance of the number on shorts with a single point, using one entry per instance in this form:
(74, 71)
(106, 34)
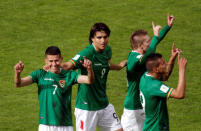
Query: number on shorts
(115, 116)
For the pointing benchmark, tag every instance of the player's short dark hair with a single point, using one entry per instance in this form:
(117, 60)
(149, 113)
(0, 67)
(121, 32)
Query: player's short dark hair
(152, 61)
(98, 27)
(52, 50)
(137, 38)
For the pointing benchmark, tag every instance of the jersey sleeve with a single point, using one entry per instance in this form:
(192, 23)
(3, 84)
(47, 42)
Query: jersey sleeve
(163, 32)
(162, 90)
(155, 41)
(151, 49)
(80, 57)
(109, 53)
(35, 75)
(133, 61)
(74, 77)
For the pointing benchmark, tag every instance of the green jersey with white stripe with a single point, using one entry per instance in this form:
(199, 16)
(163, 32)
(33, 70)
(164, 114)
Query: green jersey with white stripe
(154, 95)
(54, 94)
(136, 68)
(93, 97)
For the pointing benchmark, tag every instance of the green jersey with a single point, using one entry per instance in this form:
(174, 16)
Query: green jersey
(135, 69)
(54, 94)
(153, 97)
(93, 97)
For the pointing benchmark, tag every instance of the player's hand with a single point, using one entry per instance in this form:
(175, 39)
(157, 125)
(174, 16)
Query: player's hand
(19, 67)
(182, 62)
(123, 63)
(46, 67)
(170, 20)
(86, 63)
(175, 51)
(156, 29)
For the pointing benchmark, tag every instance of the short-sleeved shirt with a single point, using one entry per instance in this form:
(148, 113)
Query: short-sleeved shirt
(154, 95)
(93, 97)
(135, 69)
(134, 72)
(54, 94)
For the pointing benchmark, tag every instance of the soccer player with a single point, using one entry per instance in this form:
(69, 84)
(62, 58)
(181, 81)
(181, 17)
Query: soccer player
(154, 93)
(133, 114)
(92, 105)
(54, 90)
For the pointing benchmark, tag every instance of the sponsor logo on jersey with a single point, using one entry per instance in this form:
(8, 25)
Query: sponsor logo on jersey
(48, 79)
(164, 88)
(62, 83)
(98, 64)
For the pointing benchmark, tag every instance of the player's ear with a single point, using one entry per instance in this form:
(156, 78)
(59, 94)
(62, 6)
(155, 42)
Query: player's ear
(155, 69)
(92, 39)
(45, 60)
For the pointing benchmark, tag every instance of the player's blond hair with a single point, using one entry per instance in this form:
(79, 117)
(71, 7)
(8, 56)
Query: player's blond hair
(137, 38)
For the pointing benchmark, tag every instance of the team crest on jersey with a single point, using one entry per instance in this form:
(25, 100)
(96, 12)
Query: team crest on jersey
(62, 83)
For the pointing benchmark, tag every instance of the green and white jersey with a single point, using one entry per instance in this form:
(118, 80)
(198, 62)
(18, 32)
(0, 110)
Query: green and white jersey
(93, 97)
(54, 94)
(135, 69)
(153, 95)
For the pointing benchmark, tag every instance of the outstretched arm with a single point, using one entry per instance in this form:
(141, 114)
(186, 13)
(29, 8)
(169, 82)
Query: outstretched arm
(171, 61)
(153, 44)
(179, 92)
(158, 36)
(164, 31)
(19, 82)
(89, 79)
(118, 66)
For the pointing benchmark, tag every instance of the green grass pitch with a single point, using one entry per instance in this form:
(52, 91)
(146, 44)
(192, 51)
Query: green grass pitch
(28, 27)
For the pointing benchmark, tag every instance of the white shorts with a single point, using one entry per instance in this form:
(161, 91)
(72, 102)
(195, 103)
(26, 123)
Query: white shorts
(106, 119)
(43, 127)
(133, 120)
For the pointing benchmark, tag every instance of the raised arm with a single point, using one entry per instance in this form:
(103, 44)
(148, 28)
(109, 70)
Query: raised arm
(171, 61)
(153, 44)
(179, 92)
(164, 31)
(19, 82)
(158, 36)
(89, 79)
(118, 66)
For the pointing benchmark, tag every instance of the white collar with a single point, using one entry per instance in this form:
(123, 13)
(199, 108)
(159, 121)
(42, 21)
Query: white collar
(148, 74)
(94, 46)
(134, 51)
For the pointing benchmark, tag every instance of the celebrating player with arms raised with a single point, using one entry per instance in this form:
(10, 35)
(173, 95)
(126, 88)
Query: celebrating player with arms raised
(154, 93)
(133, 115)
(54, 90)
